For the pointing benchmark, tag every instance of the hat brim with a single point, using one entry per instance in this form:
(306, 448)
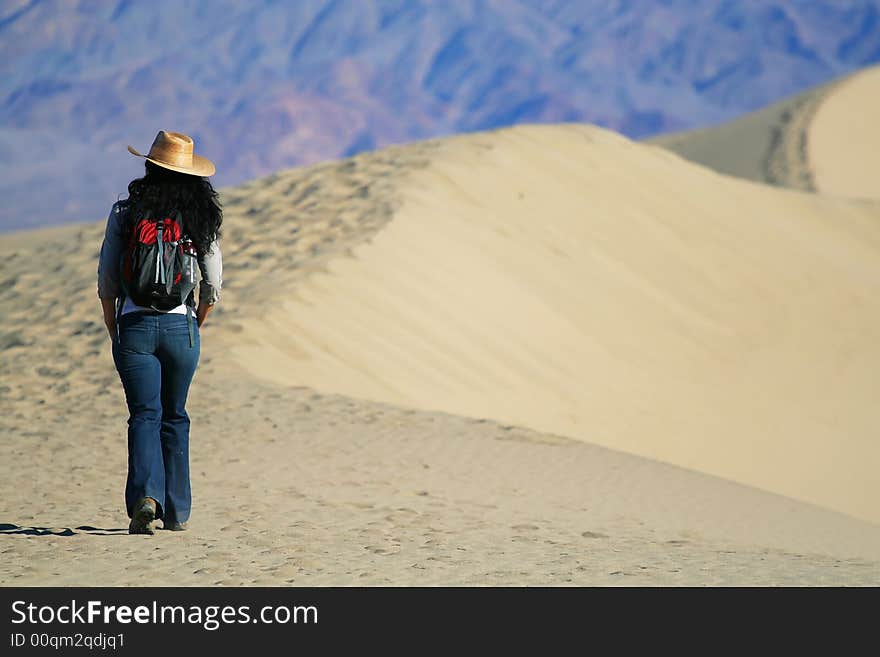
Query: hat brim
(202, 166)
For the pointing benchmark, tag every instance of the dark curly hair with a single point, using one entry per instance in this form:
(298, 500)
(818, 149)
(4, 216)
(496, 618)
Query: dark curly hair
(161, 191)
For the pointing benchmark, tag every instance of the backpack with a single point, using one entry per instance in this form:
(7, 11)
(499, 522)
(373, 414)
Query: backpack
(158, 266)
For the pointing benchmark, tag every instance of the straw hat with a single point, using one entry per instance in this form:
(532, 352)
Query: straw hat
(174, 150)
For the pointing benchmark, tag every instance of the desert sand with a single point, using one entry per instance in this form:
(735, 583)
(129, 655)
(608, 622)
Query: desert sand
(536, 355)
(844, 138)
(568, 280)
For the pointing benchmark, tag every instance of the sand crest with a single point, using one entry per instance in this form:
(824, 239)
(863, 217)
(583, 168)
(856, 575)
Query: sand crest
(844, 139)
(822, 140)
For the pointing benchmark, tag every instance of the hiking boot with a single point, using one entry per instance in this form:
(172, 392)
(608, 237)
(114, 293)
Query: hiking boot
(174, 525)
(143, 516)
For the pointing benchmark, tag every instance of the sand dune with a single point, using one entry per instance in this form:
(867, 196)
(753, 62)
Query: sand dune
(420, 353)
(768, 145)
(568, 280)
(825, 139)
(844, 138)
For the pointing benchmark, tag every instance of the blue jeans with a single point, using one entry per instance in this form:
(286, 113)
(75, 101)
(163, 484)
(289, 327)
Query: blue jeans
(156, 365)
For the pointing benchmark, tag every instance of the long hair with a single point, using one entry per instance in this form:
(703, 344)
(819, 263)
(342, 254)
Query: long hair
(161, 191)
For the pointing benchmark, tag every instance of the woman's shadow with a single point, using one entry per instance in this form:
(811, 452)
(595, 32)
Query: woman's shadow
(7, 528)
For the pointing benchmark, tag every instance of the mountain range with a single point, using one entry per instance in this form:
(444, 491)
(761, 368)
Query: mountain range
(268, 85)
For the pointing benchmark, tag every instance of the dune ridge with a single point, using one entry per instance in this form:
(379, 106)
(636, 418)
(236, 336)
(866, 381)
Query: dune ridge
(569, 280)
(844, 138)
(768, 145)
(822, 140)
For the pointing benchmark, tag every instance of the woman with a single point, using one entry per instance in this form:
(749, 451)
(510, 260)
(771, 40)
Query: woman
(156, 351)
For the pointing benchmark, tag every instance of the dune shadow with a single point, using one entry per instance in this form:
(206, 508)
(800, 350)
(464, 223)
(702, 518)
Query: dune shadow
(8, 528)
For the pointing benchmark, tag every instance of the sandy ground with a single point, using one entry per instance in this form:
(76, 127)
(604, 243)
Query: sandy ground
(390, 326)
(294, 487)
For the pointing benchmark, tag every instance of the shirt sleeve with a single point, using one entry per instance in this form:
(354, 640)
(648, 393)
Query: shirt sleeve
(211, 266)
(108, 263)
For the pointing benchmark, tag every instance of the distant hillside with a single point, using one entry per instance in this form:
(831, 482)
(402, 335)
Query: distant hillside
(265, 85)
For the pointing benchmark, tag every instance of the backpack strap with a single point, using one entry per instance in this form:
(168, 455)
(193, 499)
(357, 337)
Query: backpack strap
(190, 318)
(190, 301)
(119, 303)
(160, 252)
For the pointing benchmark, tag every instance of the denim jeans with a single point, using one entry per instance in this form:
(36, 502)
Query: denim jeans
(156, 364)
